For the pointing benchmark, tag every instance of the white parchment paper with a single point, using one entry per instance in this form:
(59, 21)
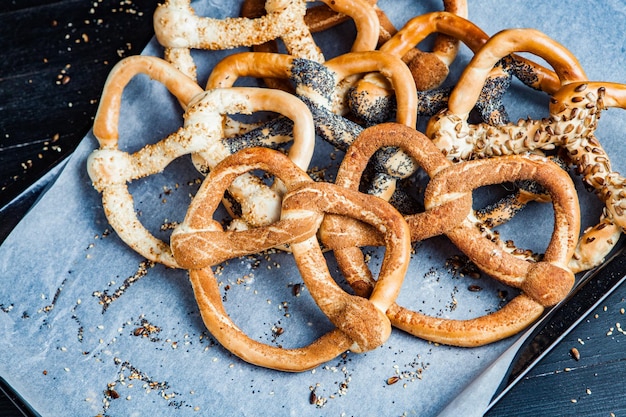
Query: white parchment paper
(89, 327)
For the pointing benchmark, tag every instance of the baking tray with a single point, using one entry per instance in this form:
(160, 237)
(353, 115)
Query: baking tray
(147, 351)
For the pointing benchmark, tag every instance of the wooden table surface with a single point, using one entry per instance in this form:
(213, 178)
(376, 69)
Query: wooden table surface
(55, 58)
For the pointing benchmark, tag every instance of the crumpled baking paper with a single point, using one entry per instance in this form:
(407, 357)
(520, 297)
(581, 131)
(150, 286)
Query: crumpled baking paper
(89, 327)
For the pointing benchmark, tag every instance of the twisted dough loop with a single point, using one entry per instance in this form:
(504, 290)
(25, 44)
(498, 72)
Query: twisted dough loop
(418, 147)
(456, 26)
(543, 283)
(178, 29)
(362, 324)
(427, 75)
(110, 168)
(531, 277)
(273, 65)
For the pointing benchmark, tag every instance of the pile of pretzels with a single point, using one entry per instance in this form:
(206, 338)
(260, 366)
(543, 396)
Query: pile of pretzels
(365, 103)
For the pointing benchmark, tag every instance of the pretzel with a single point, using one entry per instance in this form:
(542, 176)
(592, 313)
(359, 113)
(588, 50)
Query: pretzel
(574, 110)
(543, 283)
(179, 29)
(322, 17)
(316, 85)
(199, 242)
(429, 76)
(110, 168)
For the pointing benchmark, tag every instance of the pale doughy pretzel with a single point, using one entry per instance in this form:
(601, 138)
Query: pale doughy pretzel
(543, 283)
(179, 29)
(199, 243)
(110, 168)
(574, 110)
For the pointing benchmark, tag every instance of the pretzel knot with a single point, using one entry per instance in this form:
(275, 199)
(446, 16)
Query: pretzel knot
(199, 243)
(542, 284)
(574, 111)
(110, 168)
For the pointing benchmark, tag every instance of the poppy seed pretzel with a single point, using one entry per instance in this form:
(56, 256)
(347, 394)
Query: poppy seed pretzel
(458, 27)
(316, 85)
(110, 168)
(199, 243)
(432, 99)
(179, 29)
(542, 283)
(574, 110)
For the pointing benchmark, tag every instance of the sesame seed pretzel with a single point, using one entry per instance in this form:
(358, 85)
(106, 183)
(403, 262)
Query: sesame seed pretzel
(179, 29)
(542, 283)
(111, 168)
(199, 242)
(444, 50)
(574, 110)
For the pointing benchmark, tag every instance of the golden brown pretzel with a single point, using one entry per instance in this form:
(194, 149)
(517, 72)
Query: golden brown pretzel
(504, 43)
(429, 75)
(458, 27)
(543, 283)
(336, 230)
(368, 93)
(199, 243)
(574, 110)
(110, 168)
(192, 244)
